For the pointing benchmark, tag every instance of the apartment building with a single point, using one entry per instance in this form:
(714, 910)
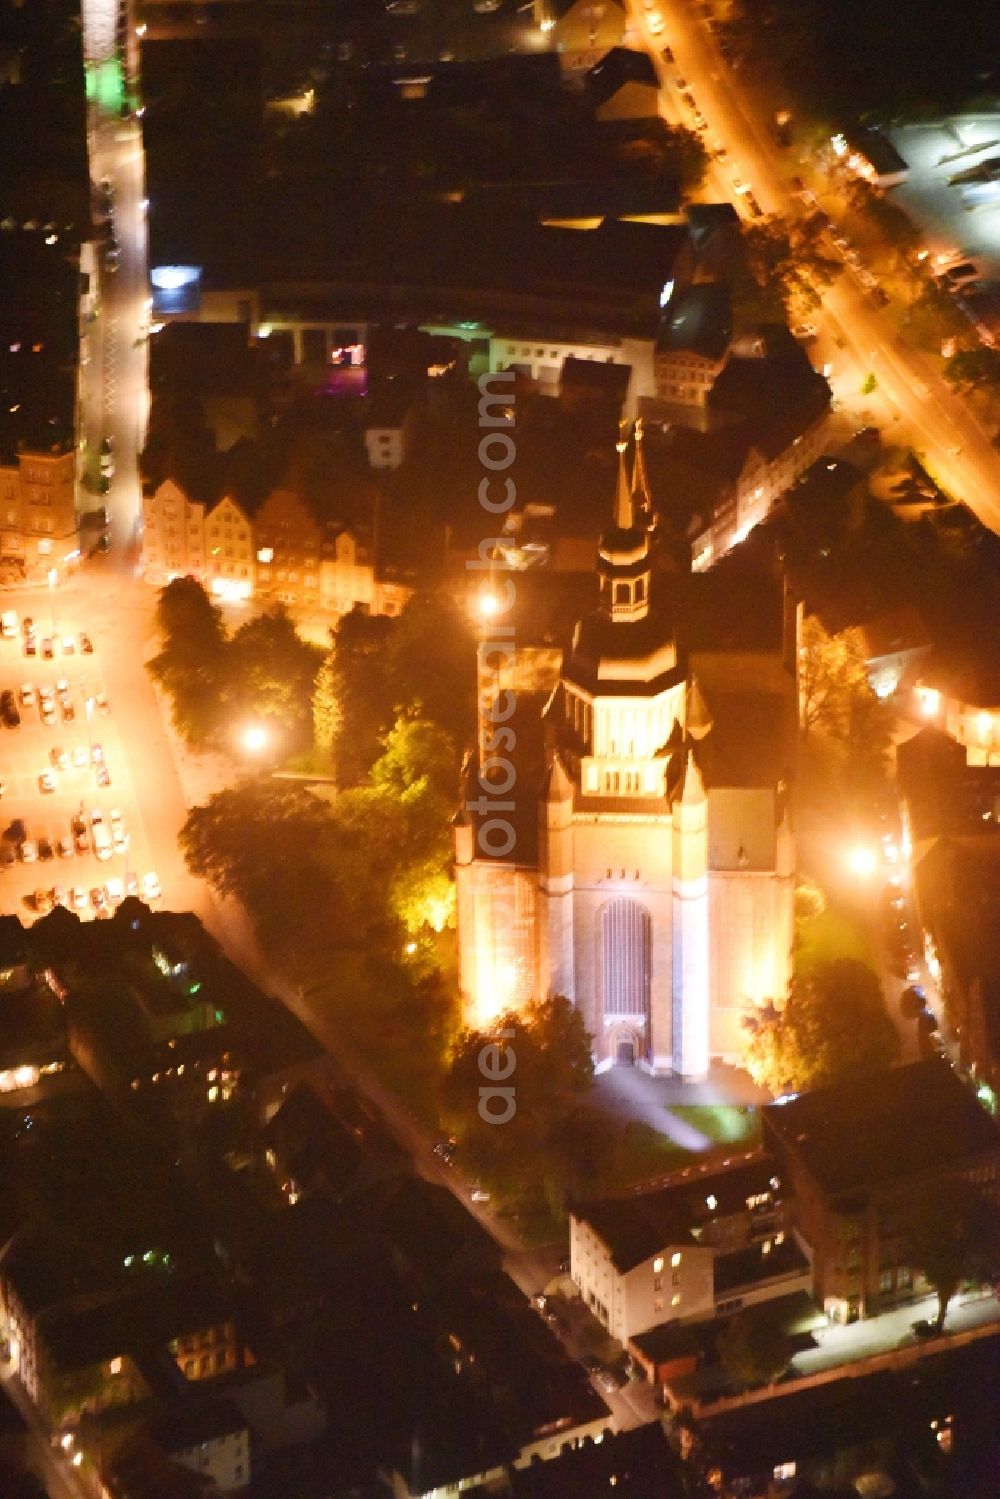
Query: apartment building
(38, 515)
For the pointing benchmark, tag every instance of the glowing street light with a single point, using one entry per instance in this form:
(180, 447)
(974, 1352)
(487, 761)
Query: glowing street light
(488, 605)
(862, 861)
(254, 738)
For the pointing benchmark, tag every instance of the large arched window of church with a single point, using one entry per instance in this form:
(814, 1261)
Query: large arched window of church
(625, 958)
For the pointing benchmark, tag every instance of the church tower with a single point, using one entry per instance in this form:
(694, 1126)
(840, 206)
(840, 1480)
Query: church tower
(690, 922)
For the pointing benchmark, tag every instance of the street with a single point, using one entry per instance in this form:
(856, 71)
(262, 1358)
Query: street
(933, 420)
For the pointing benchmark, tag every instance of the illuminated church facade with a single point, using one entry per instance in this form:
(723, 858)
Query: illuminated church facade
(650, 877)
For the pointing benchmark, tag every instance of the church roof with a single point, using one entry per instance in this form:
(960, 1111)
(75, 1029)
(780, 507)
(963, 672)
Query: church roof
(609, 655)
(750, 743)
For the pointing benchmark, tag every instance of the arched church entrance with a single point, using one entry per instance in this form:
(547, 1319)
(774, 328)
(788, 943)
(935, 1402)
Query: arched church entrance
(625, 940)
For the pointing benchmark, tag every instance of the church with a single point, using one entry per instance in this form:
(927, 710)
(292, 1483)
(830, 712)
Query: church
(648, 874)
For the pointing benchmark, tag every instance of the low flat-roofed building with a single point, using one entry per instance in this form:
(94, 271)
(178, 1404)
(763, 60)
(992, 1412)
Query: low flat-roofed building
(856, 1160)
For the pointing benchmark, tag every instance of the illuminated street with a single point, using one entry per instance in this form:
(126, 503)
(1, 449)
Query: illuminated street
(932, 417)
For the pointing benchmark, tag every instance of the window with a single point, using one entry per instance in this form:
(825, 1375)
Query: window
(658, 1283)
(675, 1259)
(657, 1303)
(675, 1299)
(885, 1280)
(676, 1278)
(658, 1262)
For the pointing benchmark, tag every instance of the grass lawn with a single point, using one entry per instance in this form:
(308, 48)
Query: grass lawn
(645, 1153)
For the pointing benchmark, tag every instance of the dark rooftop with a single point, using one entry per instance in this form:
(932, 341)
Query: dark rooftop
(639, 1225)
(903, 1122)
(616, 68)
(637, 1464)
(191, 1422)
(698, 320)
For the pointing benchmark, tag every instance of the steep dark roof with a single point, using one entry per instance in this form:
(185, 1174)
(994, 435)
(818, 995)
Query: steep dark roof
(636, 1226)
(616, 68)
(901, 1123)
(698, 320)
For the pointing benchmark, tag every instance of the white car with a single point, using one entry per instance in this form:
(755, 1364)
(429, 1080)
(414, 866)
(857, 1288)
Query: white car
(81, 756)
(29, 851)
(739, 186)
(68, 645)
(479, 1194)
(47, 781)
(115, 890)
(118, 833)
(805, 331)
(151, 886)
(79, 897)
(28, 698)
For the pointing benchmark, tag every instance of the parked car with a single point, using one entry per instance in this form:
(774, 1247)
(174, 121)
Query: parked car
(131, 884)
(115, 890)
(31, 645)
(64, 847)
(97, 754)
(98, 897)
(8, 709)
(102, 777)
(42, 901)
(8, 624)
(86, 644)
(79, 897)
(27, 696)
(80, 757)
(103, 706)
(479, 1194)
(151, 887)
(29, 851)
(45, 850)
(48, 648)
(805, 332)
(67, 710)
(47, 782)
(58, 758)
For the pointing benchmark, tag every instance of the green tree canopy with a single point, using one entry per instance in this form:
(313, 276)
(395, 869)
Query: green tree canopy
(270, 672)
(362, 687)
(834, 1026)
(190, 665)
(753, 1348)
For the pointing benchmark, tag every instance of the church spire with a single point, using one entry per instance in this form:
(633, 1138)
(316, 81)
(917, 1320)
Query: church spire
(624, 518)
(623, 563)
(642, 500)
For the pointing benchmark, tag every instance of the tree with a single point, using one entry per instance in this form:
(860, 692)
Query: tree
(551, 1074)
(753, 1347)
(788, 265)
(431, 664)
(974, 368)
(270, 672)
(838, 705)
(190, 665)
(361, 676)
(834, 1026)
(326, 711)
(954, 1236)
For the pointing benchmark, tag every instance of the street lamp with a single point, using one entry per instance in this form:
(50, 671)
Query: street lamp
(254, 738)
(862, 861)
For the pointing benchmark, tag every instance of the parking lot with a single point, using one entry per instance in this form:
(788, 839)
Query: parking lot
(66, 749)
(953, 217)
